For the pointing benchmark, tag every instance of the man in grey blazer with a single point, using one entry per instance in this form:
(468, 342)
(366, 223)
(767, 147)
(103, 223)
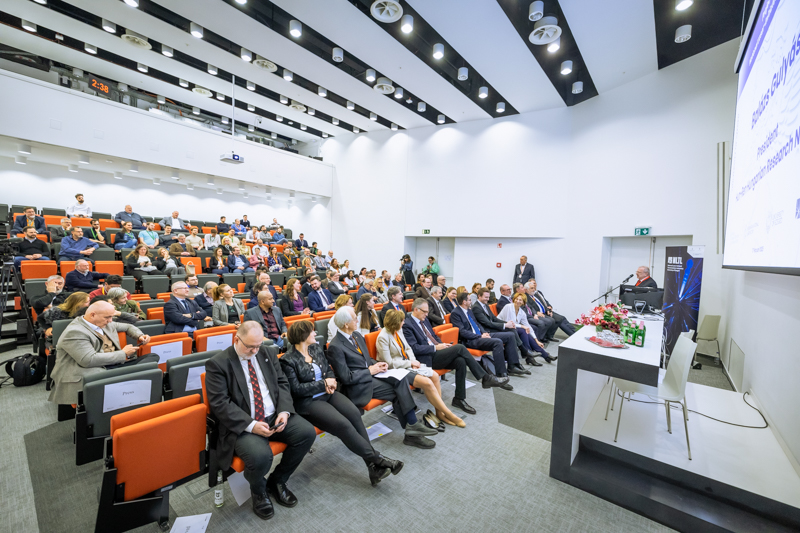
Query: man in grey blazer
(90, 345)
(270, 317)
(175, 222)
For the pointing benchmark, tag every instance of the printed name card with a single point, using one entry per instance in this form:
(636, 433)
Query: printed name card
(193, 379)
(220, 342)
(126, 394)
(168, 351)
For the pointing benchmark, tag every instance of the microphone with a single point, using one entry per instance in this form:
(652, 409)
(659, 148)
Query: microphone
(626, 279)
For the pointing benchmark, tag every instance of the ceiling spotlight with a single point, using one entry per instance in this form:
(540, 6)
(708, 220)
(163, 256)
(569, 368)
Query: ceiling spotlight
(311, 111)
(251, 128)
(156, 181)
(189, 186)
(407, 24)
(555, 45)
(335, 121)
(118, 175)
(183, 83)
(241, 185)
(683, 34)
(501, 107)
(303, 127)
(483, 92)
(212, 69)
(196, 110)
(251, 107)
(577, 87)
(279, 118)
(356, 130)
(246, 54)
(219, 191)
(398, 93)
(21, 160)
(132, 3)
(324, 135)
(438, 51)
(28, 25)
(394, 126)
(373, 116)
(122, 87)
(210, 180)
(273, 135)
(294, 141)
(43, 2)
(350, 105)
(174, 175)
(338, 55)
(536, 11)
(78, 73)
(251, 86)
(682, 5)
(284, 100)
(245, 195)
(322, 91)
(196, 30)
(288, 75)
(242, 2)
(566, 67)
(109, 26)
(90, 48)
(295, 28)
(225, 120)
(421, 107)
(141, 68)
(83, 158)
(72, 168)
(220, 97)
(24, 149)
(370, 75)
(134, 167)
(167, 50)
(463, 73)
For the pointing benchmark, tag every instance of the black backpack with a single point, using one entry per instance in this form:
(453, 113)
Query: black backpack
(28, 369)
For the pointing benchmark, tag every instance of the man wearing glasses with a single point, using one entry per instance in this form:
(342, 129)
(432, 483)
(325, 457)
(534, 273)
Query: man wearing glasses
(249, 396)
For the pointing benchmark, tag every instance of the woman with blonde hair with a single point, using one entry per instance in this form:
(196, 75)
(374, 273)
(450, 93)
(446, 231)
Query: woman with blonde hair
(341, 301)
(226, 309)
(75, 305)
(380, 289)
(393, 349)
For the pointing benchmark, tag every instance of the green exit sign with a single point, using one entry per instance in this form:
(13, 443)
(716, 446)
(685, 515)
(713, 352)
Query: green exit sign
(426, 232)
(642, 231)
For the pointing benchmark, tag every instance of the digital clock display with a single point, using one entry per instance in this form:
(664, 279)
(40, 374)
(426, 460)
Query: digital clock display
(98, 85)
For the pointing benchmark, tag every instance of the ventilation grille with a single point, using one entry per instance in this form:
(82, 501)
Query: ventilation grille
(266, 64)
(384, 86)
(202, 91)
(545, 31)
(298, 106)
(136, 39)
(386, 11)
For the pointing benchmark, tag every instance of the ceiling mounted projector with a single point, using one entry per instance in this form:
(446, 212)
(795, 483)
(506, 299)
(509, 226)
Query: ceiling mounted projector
(545, 31)
(386, 11)
(236, 159)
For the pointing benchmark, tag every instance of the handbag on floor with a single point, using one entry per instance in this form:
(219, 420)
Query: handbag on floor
(28, 369)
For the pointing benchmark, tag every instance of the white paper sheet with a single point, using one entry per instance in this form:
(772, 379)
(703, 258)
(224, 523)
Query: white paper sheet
(397, 373)
(219, 342)
(377, 430)
(467, 384)
(126, 394)
(191, 524)
(240, 487)
(168, 351)
(193, 379)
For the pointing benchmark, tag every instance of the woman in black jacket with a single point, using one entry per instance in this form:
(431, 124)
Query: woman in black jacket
(313, 387)
(139, 262)
(292, 299)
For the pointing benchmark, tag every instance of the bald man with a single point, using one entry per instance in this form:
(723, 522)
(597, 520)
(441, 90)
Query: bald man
(89, 345)
(643, 278)
(269, 317)
(129, 216)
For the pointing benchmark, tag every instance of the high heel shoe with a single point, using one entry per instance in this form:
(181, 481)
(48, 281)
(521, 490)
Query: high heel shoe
(433, 422)
(438, 419)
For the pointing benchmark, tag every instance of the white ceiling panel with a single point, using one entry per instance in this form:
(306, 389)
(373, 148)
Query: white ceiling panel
(349, 28)
(481, 33)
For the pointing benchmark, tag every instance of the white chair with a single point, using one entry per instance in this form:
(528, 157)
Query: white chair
(709, 331)
(672, 389)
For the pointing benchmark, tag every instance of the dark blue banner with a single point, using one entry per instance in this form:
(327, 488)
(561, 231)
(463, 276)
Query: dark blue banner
(683, 278)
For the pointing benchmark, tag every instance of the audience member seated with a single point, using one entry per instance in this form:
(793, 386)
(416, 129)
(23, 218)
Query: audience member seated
(94, 234)
(320, 261)
(238, 263)
(356, 370)
(350, 281)
(559, 321)
(278, 237)
(275, 224)
(261, 249)
(342, 301)
(254, 260)
(288, 256)
(531, 344)
(194, 285)
(536, 318)
(329, 259)
(61, 232)
(74, 305)
(502, 346)
(292, 301)
(437, 311)
(182, 248)
(252, 416)
(473, 296)
(441, 282)
(490, 286)
(273, 259)
(313, 387)
(110, 282)
(335, 287)
(269, 317)
(432, 268)
(368, 287)
(82, 277)
(129, 216)
(319, 299)
(237, 229)
(54, 294)
(227, 309)
(206, 300)
(366, 317)
(76, 246)
(28, 219)
(31, 248)
(126, 238)
(263, 233)
(222, 227)
(139, 262)
(505, 297)
(118, 297)
(212, 240)
(334, 265)
(181, 313)
(226, 246)
(263, 277)
(344, 269)
(169, 265)
(379, 290)
(394, 303)
(80, 208)
(89, 345)
(195, 240)
(393, 349)
(245, 222)
(219, 263)
(167, 238)
(449, 301)
(313, 249)
(490, 323)
(300, 241)
(176, 222)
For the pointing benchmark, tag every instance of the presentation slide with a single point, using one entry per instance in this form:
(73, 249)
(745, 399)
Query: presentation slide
(763, 224)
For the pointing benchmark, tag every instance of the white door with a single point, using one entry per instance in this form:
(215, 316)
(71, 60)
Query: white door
(629, 253)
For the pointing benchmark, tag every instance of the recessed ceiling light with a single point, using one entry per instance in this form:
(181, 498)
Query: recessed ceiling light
(242, 2)
(273, 135)
(394, 126)
(83, 158)
(174, 175)
(303, 127)
(122, 87)
(463, 74)
(337, 55)
(251, 107)
(284, 100)
(251, 128)
(43, 2)
(241, 185)
(295, 28)
(167, 50)
(225, 120)
(311, 111)
(196, 30)
(134, 167)
(118, 175)
(335, 121)
(483, 92)
(156, 181)
(78, 73)
(398, 93)
(438, 51)
(566, 67)
(324, 135)
(373, 116)
(24, 149)
(577, 87)
(407, 24)
(409, 100)
(190, 186)
(183, 83)
(109, 26)
(370, 75)
(210, 180)
(682, 5)
(251, 86)
(279, 118)
(212, 69)
(536, 11)
(683, 34)
(141, 68)
(501, 107)
(440, 119)
(21, 160)
(350, 105)
(196, 110)
(28, 25)
(72, 168)
(356, 130)
(246, 54)
(219, 191)
(421, 107)
(245, 195)
(555, 45)
(288, 75)
(132, 3)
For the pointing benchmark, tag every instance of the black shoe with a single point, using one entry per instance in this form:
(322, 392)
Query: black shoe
(464, 406)
(506, 385)
(377, 473)
(490, 380)
(550, 358)
(432, 422)
(281, 493)
(420, 442)
(262, 506)
(551, 339)
(533, 362)
(391, 464)
(519, 368)
(515, 372)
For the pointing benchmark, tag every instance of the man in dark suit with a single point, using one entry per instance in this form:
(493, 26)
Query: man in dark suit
(334, 286)
(502, 345)
(437, 312)
(248, 287)
(490, 286)
(319, 299)
(82, 278)
(538, 320)
(305, 281)
(366, 288)
(237, 263)
(643, 278)
(505, 297)
(428, 348)
(560, 321)
(523, 271)
(253, 405)
(300, 242)
(483, 314)
(355, 370)
(136, 220)
(30, 218)
(395, 295)
(62, 232)
(269, 317)
(423, 291)
(181, 313)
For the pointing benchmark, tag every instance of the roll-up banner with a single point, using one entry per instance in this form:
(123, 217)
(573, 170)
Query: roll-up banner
(683, 279)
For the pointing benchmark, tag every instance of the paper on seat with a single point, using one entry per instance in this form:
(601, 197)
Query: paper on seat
(193, 378)
(396, 373)
(168, 351)
(219, 342)
(126, 394)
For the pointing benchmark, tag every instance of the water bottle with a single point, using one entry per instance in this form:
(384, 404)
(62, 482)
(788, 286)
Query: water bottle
(219, 501)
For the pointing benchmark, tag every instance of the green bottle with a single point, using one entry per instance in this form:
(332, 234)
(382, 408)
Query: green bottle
(639, 338)
(629, 334)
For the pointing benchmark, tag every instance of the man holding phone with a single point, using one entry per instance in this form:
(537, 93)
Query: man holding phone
(250, 420)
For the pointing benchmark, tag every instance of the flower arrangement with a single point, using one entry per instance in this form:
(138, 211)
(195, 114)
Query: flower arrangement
(609, 316)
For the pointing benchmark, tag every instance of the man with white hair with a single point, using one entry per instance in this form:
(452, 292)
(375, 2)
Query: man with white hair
(356, 370)
(54, 294)
(181, 313)
(437, 312)
(82, 278)
(643, 278)
(176, 222)
(536, 318)
(89, 345)
(366, 287)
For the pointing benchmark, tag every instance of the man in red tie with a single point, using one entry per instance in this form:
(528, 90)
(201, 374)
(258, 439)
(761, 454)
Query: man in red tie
(249, 396)
(643, 278)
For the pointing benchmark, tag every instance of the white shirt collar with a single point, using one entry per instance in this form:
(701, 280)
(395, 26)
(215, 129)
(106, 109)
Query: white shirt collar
(96, 328)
